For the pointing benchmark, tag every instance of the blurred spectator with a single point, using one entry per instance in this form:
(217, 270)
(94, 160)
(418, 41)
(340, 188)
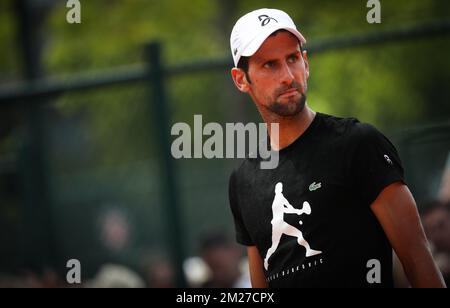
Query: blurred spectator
(115, 228)
(26, 280)
(223, 258)
(197, 271)
(436, 222)
(159, 273)
(116, 276)
(49, 278)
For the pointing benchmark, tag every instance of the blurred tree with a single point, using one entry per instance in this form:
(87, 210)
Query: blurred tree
(390, 85)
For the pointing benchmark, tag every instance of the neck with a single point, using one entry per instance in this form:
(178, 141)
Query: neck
(289, 128)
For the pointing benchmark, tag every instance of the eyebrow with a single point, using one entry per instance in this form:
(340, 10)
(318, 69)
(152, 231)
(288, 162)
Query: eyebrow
(295, 53)
(259, 60)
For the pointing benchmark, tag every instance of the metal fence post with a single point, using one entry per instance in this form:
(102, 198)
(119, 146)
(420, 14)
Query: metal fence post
(160, 116)
(38, 239)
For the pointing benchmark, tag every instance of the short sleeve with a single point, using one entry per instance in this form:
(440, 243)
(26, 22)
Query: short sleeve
(242, 235)
(375, 163)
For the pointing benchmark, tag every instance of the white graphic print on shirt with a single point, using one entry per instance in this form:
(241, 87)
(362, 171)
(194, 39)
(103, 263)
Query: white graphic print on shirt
(280, 206)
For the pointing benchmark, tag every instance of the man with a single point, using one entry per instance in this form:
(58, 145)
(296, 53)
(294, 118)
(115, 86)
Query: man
(346, 172)
(223, 257)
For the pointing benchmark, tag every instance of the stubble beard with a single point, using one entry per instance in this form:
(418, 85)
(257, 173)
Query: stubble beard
(290, 108)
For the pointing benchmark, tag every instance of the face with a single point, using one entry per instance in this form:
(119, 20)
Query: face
(278, 72)
(223, 261)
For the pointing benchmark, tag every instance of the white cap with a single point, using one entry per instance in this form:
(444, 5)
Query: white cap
(252, 29)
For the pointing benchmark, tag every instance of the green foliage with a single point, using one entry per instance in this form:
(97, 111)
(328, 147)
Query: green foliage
(393, 85)
(9, 63)
(113, 34)
(388, 85)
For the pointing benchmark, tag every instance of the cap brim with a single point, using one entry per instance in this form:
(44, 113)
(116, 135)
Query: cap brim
(256, 43)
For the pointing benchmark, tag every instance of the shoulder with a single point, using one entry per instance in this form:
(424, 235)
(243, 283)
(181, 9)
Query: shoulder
(246, 167)
(343, 132)
(363, 133)
(338, 125)
(350, 127)
(350, 133)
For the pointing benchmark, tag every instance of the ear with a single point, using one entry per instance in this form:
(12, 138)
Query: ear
(305, 59)
(240, 80)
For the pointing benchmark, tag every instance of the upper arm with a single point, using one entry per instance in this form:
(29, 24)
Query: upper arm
(396, 211)
(255, 264)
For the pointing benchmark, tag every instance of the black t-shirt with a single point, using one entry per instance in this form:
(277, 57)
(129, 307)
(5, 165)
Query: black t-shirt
(310, 217)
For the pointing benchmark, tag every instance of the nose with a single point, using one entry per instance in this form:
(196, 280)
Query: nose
(286, 76)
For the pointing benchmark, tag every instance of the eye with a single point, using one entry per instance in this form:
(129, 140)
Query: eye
(269, 64)
(293, 58)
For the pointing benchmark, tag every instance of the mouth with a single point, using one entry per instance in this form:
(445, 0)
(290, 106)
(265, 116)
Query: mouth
(289, 92)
